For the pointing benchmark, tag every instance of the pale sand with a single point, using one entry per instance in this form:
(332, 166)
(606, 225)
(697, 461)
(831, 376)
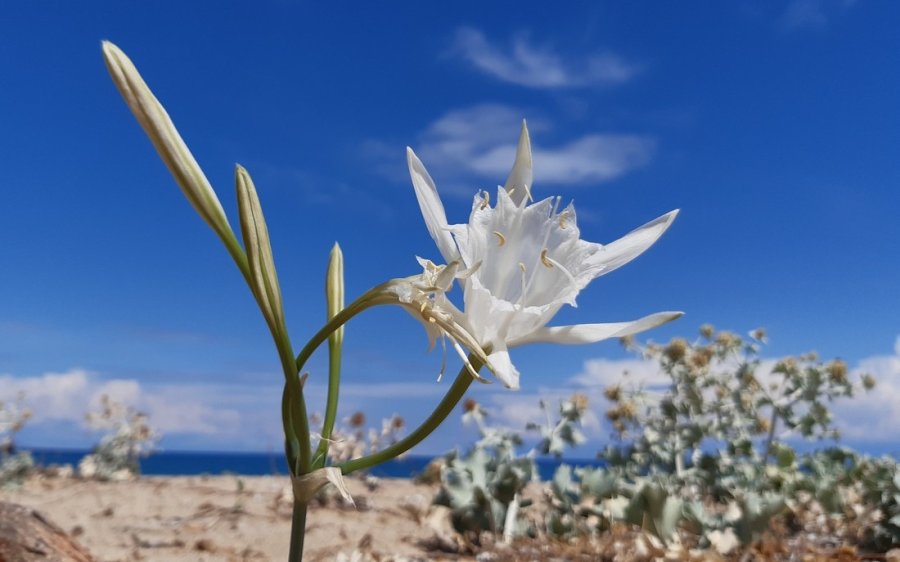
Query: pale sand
(225, 518)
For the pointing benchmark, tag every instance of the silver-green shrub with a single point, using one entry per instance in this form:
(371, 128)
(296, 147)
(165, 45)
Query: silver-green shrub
(484, 488)
(707, 450)
(14, 465)
(128, 437)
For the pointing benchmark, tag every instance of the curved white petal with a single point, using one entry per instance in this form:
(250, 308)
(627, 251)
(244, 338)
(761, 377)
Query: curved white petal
(616, 254)
(503, 369)
(431, 206)
(518, 184)
(592, 333)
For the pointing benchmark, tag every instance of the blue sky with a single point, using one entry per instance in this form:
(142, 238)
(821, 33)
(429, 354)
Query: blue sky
(774, 127)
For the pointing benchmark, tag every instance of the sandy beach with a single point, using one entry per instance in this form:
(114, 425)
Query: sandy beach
(227, 518)
(240, 518)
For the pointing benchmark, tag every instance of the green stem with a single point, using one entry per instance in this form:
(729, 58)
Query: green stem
(295, 419)
(334, 386)
(448, 403)
(298, 532)
(293, 414)
(339, 319)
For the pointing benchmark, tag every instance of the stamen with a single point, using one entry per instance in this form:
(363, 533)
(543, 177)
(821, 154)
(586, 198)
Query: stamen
(565, 271)
(423, 307)
(462, 354)
(524, 284)
(562, 218)
(443, 356)
(432, 320)
(545, 260)
(469, 272)
(485, 200)
(528, 196)
(501, 240)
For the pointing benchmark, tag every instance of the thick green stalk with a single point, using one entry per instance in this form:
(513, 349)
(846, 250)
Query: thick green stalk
(448, 403)
(334, 297)
(298, 532)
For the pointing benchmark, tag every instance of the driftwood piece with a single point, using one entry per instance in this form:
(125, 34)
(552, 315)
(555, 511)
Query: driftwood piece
(27, 536)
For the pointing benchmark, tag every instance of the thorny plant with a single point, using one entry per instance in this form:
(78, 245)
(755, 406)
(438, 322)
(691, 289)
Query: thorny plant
(127, 437)
(14, 465)
(517, 262)
(705, 445)
(484, 488)
(696, 452)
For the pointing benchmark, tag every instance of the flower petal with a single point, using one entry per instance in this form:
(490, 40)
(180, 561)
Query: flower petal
(518, 184)
(616, 254)
(502, 367)
(592, 333)
(431, 206)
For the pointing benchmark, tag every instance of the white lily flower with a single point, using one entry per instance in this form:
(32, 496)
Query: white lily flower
(525, 263)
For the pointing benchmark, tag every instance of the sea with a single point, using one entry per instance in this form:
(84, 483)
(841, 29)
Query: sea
(189, 463)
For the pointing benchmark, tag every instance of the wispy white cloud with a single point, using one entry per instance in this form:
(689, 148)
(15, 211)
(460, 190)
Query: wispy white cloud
(875, 416)
(478, 144)
(812, 14)
(539, 66)
(223, 415)
(69, 395)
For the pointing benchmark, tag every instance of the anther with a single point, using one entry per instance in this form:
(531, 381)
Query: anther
(545, 260)
(562, 218)
(485, 200)
(501, 240)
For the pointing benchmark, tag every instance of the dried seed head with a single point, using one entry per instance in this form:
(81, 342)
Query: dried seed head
(676, 350)
(580, 401)
(469, 405)
(837, 371)
(613, 393)
(357, 420)
(701, 357)
(868, 381)
(727, 339)
(707, 331)
(397, 422)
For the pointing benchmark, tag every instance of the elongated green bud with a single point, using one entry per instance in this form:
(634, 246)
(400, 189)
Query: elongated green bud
(259, 250)
(334, 289)
(169, 144)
